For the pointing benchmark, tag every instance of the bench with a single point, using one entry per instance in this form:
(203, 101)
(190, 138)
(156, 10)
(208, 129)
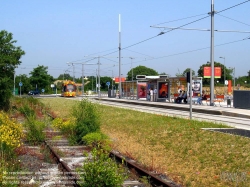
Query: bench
(174, 97)
(217, 99)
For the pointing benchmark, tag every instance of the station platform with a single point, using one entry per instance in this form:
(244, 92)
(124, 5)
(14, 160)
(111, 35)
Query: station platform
(223, 109)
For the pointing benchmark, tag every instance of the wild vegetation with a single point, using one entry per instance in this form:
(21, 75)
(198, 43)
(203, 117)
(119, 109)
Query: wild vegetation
(12, 134)
(176, 147)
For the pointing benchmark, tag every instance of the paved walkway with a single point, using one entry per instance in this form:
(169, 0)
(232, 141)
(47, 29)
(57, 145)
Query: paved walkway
(224, 109)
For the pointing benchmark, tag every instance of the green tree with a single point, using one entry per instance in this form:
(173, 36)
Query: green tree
(140, 70)
(90, 83)
(65, 76)
(40, 79)
(228, 73)
(10, 56)
(26, 83)
(184, 74)
(103, 81)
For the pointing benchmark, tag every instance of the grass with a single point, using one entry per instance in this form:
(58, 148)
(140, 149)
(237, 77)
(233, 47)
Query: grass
(174, 146)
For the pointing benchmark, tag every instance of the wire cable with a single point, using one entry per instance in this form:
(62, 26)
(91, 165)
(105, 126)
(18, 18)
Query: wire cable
(179, 19)
(190, 51)
(232, 6)
(161, 33)
(139, 53)
(233, 20)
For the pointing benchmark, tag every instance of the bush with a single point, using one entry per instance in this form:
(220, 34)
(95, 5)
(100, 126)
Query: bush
(11, 133)
(67, 127)
(96, 140)
(35, 134)
(101, 171)
(27, 111)
(86, 119)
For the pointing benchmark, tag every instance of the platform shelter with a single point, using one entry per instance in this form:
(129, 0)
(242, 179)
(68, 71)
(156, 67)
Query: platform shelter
(167, 87)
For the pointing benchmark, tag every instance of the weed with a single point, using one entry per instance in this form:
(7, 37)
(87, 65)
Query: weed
(100, 171)
(86, 119)
(183, 148)
(97, 139)
(35, 134)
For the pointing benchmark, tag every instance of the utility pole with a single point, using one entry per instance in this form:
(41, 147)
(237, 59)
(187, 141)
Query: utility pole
(99, 85)
(120, 84)
(132, 76)
(82, 79)
(96, 82)
(212, 56)
(73, 72)
(190, 94)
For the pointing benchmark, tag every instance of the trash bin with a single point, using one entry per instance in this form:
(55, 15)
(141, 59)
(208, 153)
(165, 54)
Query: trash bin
(229, 102)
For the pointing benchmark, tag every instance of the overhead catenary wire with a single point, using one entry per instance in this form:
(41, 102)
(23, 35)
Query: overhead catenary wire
(180, 19)
(190, 51)
(232, 6)
(161, 33)
(233, 19)
(139, 53)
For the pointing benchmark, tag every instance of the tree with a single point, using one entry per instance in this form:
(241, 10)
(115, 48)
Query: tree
(10, 56)
(90, 83)
(103, 81)
(206, 81)
(40, 79)
(140, 70)
(65, 76)
(26, 83)
(188, 70)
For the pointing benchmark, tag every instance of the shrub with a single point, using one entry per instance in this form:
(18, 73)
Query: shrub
(67, 127)
(27, 111)
(101, 171)
(86, 119)
(96, 139)
(10, 132)
(35, 134)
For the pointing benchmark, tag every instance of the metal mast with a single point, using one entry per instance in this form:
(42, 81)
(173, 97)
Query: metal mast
(212, 56)
(120, 85)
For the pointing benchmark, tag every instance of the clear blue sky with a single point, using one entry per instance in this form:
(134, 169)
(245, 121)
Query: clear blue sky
(54, 32)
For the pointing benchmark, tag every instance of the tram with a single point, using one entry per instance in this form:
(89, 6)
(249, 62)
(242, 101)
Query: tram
(68, 89)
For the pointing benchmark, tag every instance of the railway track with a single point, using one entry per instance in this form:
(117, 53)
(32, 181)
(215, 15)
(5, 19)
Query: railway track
(74, 156)
(61, 169)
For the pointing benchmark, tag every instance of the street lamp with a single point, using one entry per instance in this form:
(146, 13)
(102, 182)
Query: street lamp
(224, 75)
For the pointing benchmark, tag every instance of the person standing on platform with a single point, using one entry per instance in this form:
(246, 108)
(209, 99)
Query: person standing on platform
(155, 94)
(148, 95)
(151, 94)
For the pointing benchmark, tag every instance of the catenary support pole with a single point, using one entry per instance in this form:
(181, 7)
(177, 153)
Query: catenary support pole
(120, 84)
(212, 56)
(190, 95)
(99, 85)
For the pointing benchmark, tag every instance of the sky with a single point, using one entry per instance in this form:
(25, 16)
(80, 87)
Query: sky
(65, 34)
